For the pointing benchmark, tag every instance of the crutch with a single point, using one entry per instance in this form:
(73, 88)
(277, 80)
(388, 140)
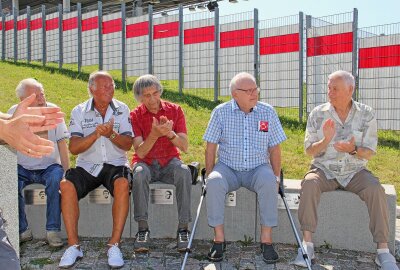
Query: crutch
(296, 234)
(203, 194)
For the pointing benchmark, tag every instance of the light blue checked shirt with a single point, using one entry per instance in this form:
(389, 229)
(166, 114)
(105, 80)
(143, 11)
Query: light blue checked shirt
(242, 145)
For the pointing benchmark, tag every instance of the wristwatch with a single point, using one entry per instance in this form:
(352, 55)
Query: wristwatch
(112, 136)
(354, 152)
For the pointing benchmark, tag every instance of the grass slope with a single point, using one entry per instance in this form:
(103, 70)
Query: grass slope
(68, 88)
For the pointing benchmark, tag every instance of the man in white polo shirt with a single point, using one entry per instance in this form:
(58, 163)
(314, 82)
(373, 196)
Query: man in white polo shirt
(101, 134)
(48, 170)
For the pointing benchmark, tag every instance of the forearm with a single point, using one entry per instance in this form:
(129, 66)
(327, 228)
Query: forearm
(122, 141)
(210, 154)
(144, 147)
(275, 159)
(364, 153)
(2, 129)
(64, 154)
(317, 147)
(180, 140)
(79, 145)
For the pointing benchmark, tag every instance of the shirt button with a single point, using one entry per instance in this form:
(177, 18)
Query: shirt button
(245, 149)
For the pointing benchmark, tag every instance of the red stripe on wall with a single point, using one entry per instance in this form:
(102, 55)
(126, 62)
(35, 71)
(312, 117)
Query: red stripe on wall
(9, 25)
(199, 35)
(385, 56)
(112, 26)
(22, 24)
(331, 44)
(36, 24)
(236, 38)
(51, 24)
(1, 26)
(137, 29)
(279, 44)
(166, 30)
(90, 24)
(69, 24)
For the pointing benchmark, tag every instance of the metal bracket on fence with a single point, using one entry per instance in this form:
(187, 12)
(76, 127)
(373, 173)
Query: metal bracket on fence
(79, 8)
(180, 65)
(301, 65)
(15, 13)
(28, 35)
(44, 55)
(60, 37)
(123, 45)
(150, 39)
(100, 28)
(216, 53)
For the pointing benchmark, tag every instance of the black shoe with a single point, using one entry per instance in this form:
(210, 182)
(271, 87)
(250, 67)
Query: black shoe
(269, 254)
(142, 241)
(182, 239)
(216, 253)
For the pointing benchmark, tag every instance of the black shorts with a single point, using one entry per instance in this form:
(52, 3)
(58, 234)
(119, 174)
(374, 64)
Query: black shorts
(84, 182)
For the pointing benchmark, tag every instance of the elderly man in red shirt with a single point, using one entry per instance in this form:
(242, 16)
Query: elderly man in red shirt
(160, 132)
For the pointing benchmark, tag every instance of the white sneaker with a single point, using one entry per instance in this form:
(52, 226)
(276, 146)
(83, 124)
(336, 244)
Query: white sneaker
(300, 261)
(71, 255)
(115, 259)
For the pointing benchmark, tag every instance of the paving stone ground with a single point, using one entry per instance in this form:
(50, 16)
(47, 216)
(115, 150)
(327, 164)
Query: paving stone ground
(37, 254)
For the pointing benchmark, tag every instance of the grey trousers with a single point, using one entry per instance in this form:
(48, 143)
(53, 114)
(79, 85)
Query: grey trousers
(175, 173)
(223, 179)
(364, 184)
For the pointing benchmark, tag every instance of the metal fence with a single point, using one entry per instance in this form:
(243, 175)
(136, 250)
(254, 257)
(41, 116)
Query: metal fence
(199, 53)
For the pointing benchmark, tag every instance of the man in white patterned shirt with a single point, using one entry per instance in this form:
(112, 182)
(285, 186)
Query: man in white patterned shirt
(101, 134)
(341, 136)
(248, 135)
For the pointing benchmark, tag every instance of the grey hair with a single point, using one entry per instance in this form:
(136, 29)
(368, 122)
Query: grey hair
(21, 87)
(346, 76)
(143, 82)
(239, 76)
(94, 75)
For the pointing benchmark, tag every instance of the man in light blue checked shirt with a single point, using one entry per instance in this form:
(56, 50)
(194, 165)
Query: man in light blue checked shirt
(247, 134)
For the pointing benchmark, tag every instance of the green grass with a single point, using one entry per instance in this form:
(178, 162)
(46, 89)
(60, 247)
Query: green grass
(67, 88)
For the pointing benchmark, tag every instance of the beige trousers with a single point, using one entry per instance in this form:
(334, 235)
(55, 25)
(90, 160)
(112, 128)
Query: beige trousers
(364, 184)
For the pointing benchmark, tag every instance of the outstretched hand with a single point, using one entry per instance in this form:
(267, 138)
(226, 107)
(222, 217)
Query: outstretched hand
(345, 146)
(162, 127)
(329, 130)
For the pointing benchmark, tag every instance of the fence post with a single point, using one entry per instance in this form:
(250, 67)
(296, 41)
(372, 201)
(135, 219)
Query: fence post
(123, 45)
(100, 28)
(60, 37)
(308, 26)
(354, 70)
(44, 55)
(180, 81)
(28, 35)
(79, 7)
(301, 65)
(216, 50)
(3, 37)
(15, 13)
(256, 49)
(150, 39)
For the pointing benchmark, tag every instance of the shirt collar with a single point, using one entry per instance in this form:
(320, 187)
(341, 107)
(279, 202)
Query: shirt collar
(143, 109)
(235, 106)
(328, 106)
(90, 105)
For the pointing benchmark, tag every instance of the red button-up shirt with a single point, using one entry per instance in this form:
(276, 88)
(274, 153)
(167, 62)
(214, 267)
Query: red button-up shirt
(163, 149)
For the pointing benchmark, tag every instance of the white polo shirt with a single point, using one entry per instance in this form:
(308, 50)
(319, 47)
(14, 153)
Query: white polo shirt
(54, 135)
(84, 120)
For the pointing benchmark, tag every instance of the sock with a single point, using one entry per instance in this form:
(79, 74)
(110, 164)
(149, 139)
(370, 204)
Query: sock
(182, 226)
(382, 250)
(308, 244)
(143, 225)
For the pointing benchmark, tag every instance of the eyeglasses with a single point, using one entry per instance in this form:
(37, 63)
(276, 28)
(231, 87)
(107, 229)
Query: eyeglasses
(249, 91)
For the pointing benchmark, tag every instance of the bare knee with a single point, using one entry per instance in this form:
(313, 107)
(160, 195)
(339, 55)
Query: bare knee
(67, 187)
(121, 186)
